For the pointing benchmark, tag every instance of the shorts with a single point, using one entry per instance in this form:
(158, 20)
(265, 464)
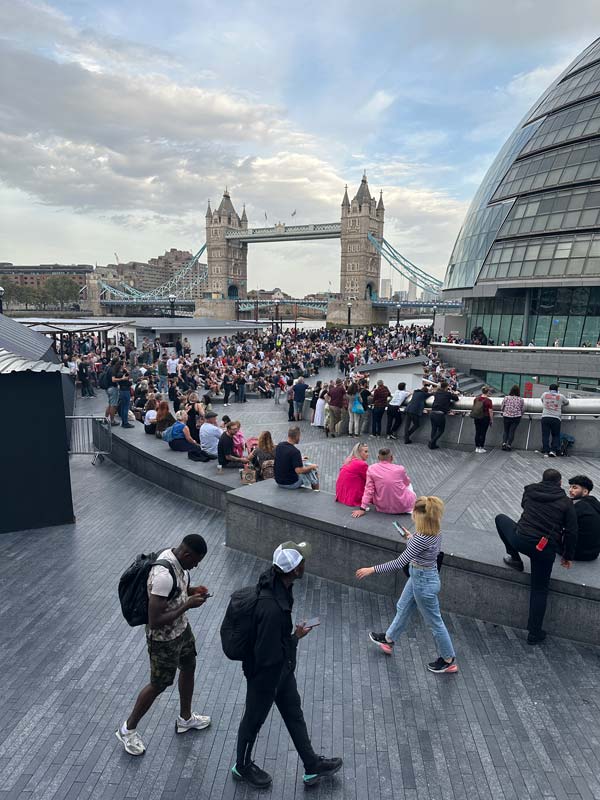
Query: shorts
(167, 657)
(298, 407)
(113, 396)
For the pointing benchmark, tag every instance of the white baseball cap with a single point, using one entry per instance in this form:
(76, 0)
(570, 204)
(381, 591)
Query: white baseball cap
(289, 555)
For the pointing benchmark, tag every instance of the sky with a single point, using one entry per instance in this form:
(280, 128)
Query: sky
(118, 121)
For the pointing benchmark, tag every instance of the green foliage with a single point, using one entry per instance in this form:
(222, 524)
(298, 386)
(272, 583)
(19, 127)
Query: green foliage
(61, 290)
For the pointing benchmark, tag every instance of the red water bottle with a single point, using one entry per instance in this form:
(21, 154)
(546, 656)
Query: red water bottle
(542, 543)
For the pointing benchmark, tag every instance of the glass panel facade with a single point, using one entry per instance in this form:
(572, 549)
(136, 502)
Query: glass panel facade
(569, 314)
(571, 164)
(483, 222)
(564, 126)
(589, 55)
(553, 211)
(554, 256)
(570, 90)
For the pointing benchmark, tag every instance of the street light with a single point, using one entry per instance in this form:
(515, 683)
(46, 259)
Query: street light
(276, 316)
(172, 299)
(1, 296)
(397, 316)
(349, 314)
(433, 323)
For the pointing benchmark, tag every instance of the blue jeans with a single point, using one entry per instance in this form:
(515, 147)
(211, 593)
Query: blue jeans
(377, 416)
(124, 401)
(421, 591)
(163, 384)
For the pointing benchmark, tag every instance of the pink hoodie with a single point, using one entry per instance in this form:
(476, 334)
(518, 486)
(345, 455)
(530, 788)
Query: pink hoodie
(388, 489)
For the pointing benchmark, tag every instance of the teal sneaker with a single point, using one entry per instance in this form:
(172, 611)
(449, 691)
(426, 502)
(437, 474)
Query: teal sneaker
(252, 774)
(323, 768)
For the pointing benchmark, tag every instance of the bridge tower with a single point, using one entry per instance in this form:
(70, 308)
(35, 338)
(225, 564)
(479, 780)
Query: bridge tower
(361, 263)
(227, 259)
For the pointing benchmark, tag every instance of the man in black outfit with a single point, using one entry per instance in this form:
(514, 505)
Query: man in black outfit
(269, 670)
(443, 400)
(587, 510)
(547, 526)
(414, 411)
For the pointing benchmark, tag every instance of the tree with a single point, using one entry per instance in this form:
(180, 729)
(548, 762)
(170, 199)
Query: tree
(11, 292)
(61, 289)
(40, 297)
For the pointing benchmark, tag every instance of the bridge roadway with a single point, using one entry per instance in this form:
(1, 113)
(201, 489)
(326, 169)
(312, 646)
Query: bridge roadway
(516, 723)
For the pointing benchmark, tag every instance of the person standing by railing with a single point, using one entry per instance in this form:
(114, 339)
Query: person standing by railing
(483, 417)
(513, 406)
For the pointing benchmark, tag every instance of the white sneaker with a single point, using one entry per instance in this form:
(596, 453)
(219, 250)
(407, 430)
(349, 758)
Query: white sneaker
(132, 741)
(195, 722)
(481, 450)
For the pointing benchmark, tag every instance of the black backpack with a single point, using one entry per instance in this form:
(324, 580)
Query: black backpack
(105, 381)
(133, 587)
(237, 628)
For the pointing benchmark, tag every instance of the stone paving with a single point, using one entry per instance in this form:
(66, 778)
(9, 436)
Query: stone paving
(515, 722)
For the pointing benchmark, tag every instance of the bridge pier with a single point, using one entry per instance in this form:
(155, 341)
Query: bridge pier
(220, 309)
(362, 313)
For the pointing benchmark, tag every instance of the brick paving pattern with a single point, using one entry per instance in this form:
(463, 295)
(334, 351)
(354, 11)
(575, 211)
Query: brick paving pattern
(516, 722)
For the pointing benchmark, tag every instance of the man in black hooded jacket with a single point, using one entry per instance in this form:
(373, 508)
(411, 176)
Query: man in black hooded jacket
(547, 526)
(269, 670)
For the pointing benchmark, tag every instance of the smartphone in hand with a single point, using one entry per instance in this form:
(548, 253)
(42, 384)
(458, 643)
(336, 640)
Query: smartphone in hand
(401, 529)
(312, 623)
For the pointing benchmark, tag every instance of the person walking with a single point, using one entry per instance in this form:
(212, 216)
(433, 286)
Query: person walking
(443, 400)
(547, 526)
(513, 407)
(423, 586)
(170, 641)
(269, 668)
(483, 417)
(122, 379)
(552, 405)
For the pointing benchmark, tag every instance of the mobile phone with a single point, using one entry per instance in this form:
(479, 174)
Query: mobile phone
(401, 529)
(312, 623)
(208, 594)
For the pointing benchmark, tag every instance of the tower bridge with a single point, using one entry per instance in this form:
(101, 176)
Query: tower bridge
(223, 280)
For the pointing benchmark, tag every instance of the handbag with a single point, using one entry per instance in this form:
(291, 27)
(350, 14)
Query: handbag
(248, 475)
(357, 406)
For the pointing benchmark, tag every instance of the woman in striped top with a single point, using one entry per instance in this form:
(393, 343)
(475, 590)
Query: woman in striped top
(423, 586)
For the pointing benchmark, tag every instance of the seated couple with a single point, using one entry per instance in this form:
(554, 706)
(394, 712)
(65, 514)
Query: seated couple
(291, 470)
(384, 484)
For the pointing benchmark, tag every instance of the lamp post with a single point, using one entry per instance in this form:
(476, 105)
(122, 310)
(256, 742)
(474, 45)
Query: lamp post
(349, 314)
(295, 321)
(433, 323)
(172, 299)
(397, 316)
(276, 316)
(1, 296)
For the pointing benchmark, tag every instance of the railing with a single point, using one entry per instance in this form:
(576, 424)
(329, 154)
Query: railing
(587, 351)
(89, 436)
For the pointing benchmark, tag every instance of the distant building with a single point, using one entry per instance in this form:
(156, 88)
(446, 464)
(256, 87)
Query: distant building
(268, 294)
(386, 288)
(35, 277)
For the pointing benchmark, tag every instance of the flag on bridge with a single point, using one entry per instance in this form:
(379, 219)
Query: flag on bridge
(265, 216)
(294, 213)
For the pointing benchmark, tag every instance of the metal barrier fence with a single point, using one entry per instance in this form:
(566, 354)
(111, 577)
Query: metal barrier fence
(89, 436)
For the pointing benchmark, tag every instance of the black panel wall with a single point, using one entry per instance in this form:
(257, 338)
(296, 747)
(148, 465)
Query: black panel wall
(35, 482)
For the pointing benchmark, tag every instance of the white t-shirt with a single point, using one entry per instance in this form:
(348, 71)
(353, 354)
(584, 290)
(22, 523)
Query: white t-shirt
(399, 397)
(160, 583)
(150, 417)
(172, 364)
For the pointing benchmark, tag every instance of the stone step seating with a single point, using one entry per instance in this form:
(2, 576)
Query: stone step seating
(475, 582)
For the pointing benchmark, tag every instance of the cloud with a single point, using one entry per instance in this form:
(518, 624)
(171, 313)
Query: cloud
(377, 104)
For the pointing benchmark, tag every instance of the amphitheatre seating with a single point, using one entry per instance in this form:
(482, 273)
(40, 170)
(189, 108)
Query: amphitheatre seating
(475, 582)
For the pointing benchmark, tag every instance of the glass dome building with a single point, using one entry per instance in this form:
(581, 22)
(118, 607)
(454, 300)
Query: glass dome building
(527, 259)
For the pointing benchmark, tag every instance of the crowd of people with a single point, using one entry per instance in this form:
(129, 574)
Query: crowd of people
(172, 393)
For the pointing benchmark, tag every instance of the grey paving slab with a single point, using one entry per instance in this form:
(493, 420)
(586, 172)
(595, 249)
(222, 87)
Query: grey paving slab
(516, 722)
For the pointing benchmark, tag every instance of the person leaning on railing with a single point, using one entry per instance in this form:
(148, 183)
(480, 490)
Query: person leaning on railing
(513, 406)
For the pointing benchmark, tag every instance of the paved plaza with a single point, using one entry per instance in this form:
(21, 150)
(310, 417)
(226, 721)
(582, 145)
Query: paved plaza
(515, 722)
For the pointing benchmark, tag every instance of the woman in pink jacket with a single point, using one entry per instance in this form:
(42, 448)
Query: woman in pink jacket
(350, 485)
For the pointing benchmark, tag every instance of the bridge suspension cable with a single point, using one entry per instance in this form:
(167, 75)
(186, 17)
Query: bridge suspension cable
(181, 284)
(405, 267)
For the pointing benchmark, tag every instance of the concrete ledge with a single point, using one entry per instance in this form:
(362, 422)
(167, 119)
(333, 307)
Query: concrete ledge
(152, 459)
(475, 582)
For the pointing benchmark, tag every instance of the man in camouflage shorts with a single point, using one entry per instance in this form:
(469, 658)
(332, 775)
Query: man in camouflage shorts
(171, 643)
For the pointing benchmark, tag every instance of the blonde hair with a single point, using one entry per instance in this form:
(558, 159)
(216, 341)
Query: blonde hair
(354, 453)
(181, 415)
(427, 515)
